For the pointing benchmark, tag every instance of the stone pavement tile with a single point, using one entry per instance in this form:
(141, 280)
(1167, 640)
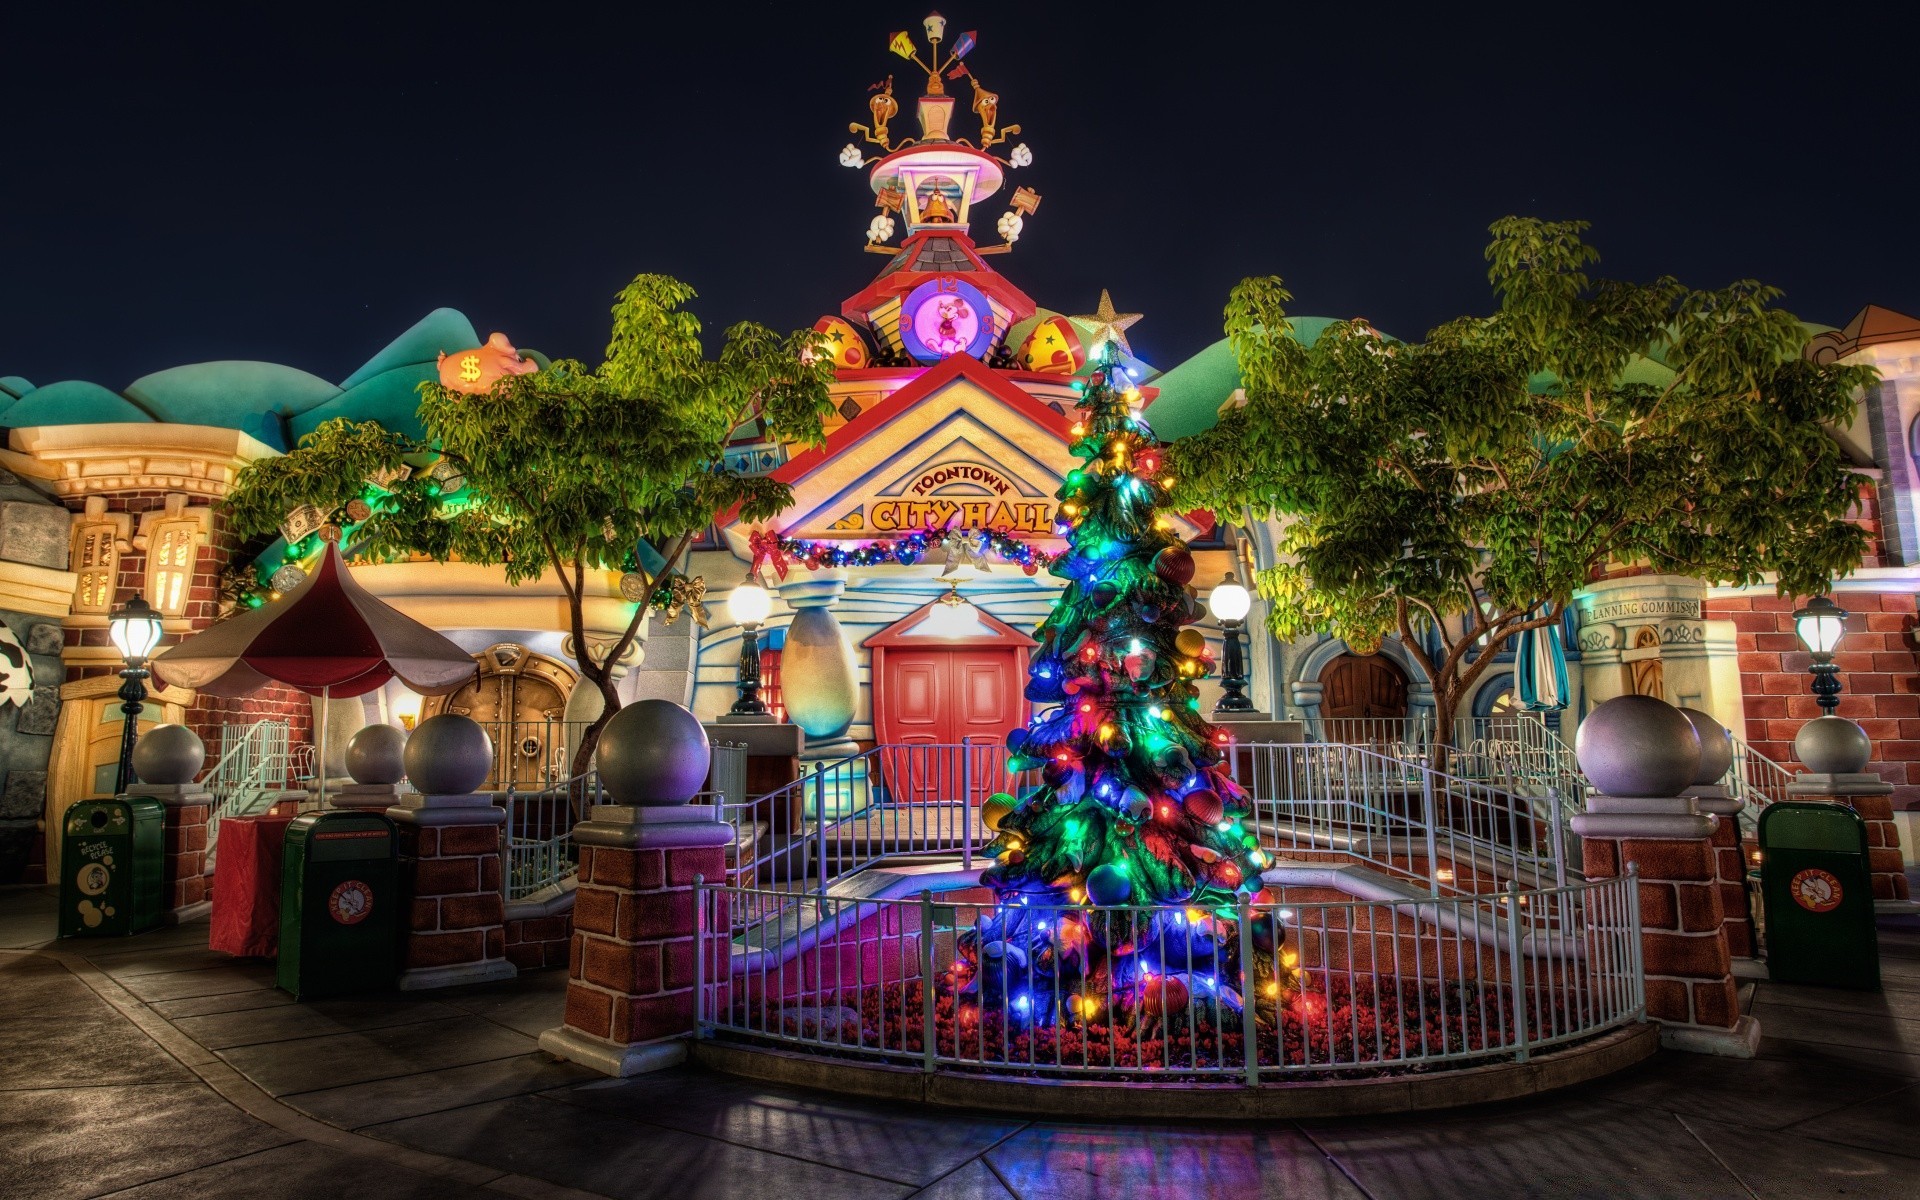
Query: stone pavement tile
(86, 1047)
(1781, 1166)
(301, 1171)
(84, 1141)
(1166, 1163)
(1763, 1093)
(199, 1006)
(383, 1100)
(581, 1148)
(975, 1181)
(859, 1135)
(532, 1003)
(1891, 1002)
(1551, 1147)
(1887, 1123)
(309, 1064)
(1885, 1062)
(34, 986)
(207, 981)
(156, 960)
(1869, 1031)
(315, 1018)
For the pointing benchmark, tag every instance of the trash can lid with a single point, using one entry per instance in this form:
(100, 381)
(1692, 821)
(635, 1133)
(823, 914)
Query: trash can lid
(1795, 825)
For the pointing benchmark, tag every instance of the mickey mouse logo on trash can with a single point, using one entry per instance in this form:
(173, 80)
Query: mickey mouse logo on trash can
(1816, 891)
(350, 902)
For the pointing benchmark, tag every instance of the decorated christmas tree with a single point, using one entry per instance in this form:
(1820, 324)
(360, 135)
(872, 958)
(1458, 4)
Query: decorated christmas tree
(1135, 807)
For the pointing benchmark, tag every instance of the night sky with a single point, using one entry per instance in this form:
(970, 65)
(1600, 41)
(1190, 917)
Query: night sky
(299, 184)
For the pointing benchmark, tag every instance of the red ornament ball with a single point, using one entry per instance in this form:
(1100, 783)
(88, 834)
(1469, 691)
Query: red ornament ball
(1204, 806)
(1165, 995)
(1175, 565)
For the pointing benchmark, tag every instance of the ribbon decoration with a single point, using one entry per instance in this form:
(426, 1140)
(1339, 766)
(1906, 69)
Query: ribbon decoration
(689, 594)
(964, 550)
(768, 549)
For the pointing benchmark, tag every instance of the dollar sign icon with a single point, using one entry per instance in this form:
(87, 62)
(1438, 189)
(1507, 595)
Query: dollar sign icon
(470, 368)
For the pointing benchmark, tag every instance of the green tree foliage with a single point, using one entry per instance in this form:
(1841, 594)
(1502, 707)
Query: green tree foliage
(1471, 484)
(567, 470)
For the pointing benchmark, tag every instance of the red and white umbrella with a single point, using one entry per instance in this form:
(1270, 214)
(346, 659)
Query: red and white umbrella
(328, 637)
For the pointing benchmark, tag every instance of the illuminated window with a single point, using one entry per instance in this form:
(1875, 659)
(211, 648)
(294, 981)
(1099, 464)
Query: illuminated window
(770, 684)
(170, 547)
(95, 558)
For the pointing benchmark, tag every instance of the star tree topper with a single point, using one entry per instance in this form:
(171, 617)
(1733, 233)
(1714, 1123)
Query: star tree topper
(1108, 326)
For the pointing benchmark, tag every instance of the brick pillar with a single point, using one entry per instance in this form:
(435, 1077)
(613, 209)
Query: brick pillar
(630, 987)
(1729, 866)
(1872, 798)
(450, 867)
(1683, 933)
(188, 808)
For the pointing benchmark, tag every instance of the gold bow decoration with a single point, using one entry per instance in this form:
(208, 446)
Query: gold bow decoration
(964, 550)
(689, 594)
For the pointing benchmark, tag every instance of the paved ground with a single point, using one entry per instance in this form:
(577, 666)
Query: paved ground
(154, 1067)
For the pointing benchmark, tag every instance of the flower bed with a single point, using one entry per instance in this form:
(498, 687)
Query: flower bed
(1335, 1026)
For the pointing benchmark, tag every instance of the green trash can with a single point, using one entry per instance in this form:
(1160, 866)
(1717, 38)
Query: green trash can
(339, 905)
(113, 867)
(1819, 896)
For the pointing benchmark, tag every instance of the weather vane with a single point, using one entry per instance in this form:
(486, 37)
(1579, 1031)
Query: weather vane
(935, 179)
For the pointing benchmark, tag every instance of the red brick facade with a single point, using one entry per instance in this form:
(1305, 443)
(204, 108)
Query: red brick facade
(458, 915)
(1879, 670)
(632, 964)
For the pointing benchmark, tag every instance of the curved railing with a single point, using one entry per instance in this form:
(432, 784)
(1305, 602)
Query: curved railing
(1273, 991)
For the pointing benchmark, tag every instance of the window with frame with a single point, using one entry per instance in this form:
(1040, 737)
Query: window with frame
(95, 558)
(170, 552)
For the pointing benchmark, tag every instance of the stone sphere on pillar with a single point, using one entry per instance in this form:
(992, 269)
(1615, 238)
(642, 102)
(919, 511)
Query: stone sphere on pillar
(448, 755)
(168, 755)
(653, 753)
(378, 754)
(1827, 745)
(1638, 746)
(1716, 747)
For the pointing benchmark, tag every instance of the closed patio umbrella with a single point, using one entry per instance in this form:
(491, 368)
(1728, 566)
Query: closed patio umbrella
(1541, 670)
(327, 637)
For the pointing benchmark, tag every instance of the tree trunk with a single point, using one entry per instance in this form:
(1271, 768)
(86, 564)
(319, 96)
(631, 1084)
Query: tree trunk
(590, 736)
(1445, 701)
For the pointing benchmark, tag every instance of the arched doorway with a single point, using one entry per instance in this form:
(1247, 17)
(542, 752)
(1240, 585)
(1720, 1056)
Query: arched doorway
(947, 675)
(1363, 699)
(521, 699)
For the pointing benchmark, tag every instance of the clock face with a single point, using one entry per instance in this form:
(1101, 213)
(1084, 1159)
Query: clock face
(945, 317)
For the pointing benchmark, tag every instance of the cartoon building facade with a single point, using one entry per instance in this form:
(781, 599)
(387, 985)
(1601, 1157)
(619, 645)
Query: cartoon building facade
(908, 569)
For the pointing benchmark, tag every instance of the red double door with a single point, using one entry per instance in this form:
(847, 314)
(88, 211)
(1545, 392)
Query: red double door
(932, 694)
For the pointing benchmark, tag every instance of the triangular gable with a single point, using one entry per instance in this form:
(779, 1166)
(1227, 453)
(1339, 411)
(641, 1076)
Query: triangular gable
(960, 442)
(962, 446)
(900, 632)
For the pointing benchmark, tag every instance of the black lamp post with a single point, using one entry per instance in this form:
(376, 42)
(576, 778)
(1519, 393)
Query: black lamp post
(1820, 625)
(748, 606)
(1230, 602)
(135, 630)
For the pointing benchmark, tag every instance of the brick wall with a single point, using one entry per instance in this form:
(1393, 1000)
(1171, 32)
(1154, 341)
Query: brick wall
(535, 943)
(1879, 672)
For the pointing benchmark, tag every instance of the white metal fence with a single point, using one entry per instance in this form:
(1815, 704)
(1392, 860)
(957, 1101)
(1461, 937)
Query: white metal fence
(892, 802)
(537, 842)
(1285, 988)
(1452, 834)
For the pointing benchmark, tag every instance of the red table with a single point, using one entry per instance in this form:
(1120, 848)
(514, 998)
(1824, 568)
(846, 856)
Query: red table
(246, 886)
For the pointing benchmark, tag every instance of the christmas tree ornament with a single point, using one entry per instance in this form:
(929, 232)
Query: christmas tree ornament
(1204, 806)
(1165, 995)
(1190, 642)
(1108, 885)
(995, 810)
(1175, 565)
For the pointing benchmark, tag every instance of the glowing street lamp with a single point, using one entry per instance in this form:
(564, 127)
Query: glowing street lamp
(1820, 625)
(1230, 603)
(748, 607)
(135, 630)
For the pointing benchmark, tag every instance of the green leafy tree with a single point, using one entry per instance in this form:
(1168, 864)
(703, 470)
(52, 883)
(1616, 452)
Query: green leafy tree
(566, 470)
(1464, 488)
